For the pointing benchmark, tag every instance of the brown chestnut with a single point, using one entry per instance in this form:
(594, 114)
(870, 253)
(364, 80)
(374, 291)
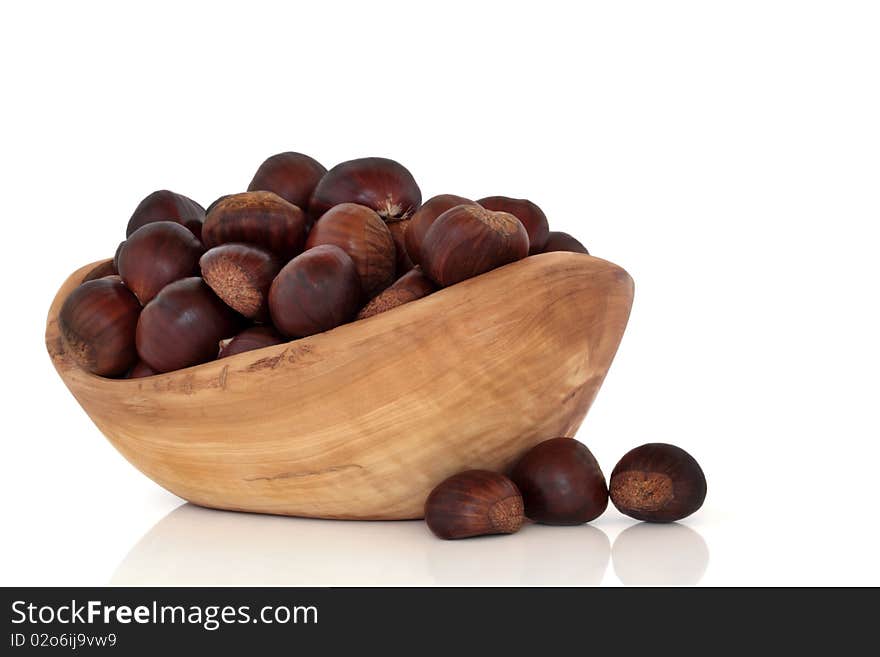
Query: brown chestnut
(97, 323)
(241, 274)
(423, 218)
(384, 185)
(183, 325)
(140, 370)
(261, 218)
(559, 241)
(293, 176)
(531, 216)
(116, 256)
(409, 287)
(359, 231)
(658, 483)
(469, 240)
(561, 483)
(157, 254)
(474, 503)
(399, 230)
(102, 270)
(168, 206)
(255, 337)
(316, 291)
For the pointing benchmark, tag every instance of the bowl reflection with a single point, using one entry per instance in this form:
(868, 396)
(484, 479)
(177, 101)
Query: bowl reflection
(196, 546)
(649, 554)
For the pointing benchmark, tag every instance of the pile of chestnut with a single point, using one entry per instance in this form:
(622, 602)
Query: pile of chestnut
(559, 482)
(302, 251)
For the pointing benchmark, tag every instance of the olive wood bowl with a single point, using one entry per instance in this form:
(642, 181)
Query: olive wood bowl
(361, 422)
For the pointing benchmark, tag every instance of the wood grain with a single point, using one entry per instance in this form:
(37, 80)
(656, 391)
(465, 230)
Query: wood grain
(364, 420)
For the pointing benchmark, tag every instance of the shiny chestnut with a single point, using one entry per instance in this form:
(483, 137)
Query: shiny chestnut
(183, 326)
(424, 217)
(384, 185)
(164, 205)
(241, 275)
(409, 287)
(469, 240)
(157, 254)
(658, 482)
(293, 176)
(474, 503)
(97, 322)
(359, 231)
(561, 483)
(318, 290)
(531, 216)
(559, 241)
(255, 337)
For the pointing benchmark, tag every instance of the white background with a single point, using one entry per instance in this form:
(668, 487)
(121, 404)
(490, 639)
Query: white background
(726, 154)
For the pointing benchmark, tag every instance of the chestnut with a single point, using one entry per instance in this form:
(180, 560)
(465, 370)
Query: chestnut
(561, 483)
(474, 503)
(116, 256)
(140, 370)
(384, 185)
(261, 218)
(398, 234)
(315, 292)
(241, 274)
(255, 337)
(531, 216)
(658, 483)
(157, 254)
(359, 231)
(409, 287)
(559, 241)
(183, 326)
(423, 218)
(167, 206)
(293, 176)
(469, 240)
(97, 323)
(102, 270)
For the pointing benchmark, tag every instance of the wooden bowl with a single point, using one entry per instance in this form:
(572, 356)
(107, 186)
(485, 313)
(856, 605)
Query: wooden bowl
(364, 420)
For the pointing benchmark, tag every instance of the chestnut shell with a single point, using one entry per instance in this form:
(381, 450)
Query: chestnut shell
(531, 216)
(155, 255)
(409, 287)
(255, 337)
(241, 274)
(469, 240)
(359, 231)
(559, 241)
(561, 483)
(658, 482)
(164, 205)
(474, 503)
(97, 323)
(315, 292)
(425, 216)
(260, 218)
(293, 176)
(384, 185)
(183, 325)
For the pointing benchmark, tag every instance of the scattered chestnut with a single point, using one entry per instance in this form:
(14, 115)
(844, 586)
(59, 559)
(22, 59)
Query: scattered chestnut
(293, 176)
(140, 370)
(157, 254)
(255, 337)
(561, 483)
(399, 230)
(658, 483)
(97, 323)
(531, 216)
(474, 503)
(261, 218)
(409, 287)
(469, 240)
(316, 291)
(423, 218)
(359, 231)
(183, 326)
(384, 185)
(241, 274)
(167, 206)
(559, 241)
